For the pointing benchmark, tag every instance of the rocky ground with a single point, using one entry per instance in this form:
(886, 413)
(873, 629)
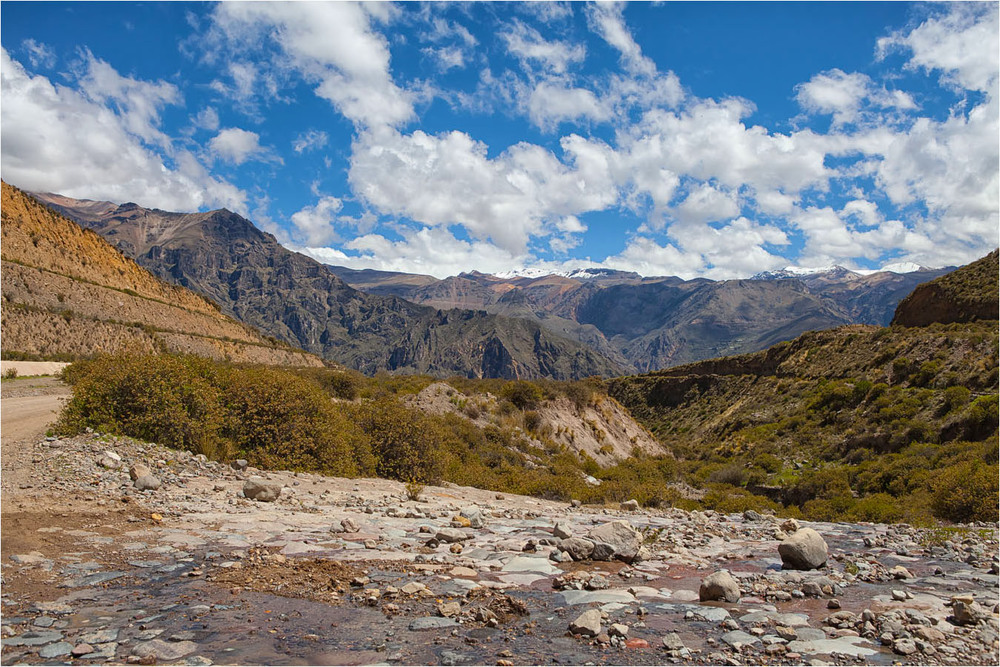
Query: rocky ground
(337, 571)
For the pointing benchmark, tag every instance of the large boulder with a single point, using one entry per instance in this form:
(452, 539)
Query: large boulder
(577, 547)
(261, 490)
(803, 550)
(147, 483)
(139, 470)
(624, 540)
(719, 586)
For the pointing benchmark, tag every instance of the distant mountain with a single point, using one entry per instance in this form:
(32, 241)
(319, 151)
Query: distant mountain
(968, 294)
(222, 256)
(658, 322)
(67, 293)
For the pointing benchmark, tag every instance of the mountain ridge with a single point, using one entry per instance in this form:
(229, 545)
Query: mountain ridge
(294, 298)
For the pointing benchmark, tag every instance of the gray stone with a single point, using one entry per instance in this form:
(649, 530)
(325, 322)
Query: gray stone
(719, 586)
(618, 630)
(967, 613)
(56, 650)
(432, 623)
(803, 550)
(162, 650)
(451, 535)
(33, 638)
(738, 638)
(752, 515)
(577, 547)
(147, 483)
(81, 649)
(621, 537)
(904, 646)
(672, 642)
(348, 525)
(240, 464)
(562, 531)
(261, 490)
(602, 552)
(588, 623)
(630, 505)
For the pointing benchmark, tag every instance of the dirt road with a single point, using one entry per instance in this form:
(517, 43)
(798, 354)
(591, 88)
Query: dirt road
(29, 407)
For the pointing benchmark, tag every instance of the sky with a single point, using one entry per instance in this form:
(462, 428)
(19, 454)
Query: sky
(695, 139)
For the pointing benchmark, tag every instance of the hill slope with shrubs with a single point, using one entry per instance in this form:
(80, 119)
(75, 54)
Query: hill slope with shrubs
(866, 423)
(67, 293)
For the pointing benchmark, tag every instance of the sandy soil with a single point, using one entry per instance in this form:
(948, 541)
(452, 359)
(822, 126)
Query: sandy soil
(33, 367)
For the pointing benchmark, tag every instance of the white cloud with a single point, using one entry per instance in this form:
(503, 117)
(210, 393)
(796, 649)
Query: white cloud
(607, 20)
(430, 250)
(59, 139)
(316, 224)
(706, 203)
(236, 145)
(448, 179)
(310, 141)
(528, 46)
(963, 43)
(843, 95)
(551, 103)
(446, 57)
(39, 54)
(207, 119)
(332, 45)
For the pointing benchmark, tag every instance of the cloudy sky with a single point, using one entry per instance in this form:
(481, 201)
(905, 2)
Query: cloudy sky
(690, 139)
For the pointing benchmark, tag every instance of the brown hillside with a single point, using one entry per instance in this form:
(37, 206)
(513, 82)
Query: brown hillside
(966, 294)
(67, 293)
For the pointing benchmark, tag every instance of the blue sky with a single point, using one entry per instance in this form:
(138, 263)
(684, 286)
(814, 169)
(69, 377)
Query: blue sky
(690, 139)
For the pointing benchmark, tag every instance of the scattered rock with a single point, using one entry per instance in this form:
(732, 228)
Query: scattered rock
(451, 535)
(719, 586)
(672, 642)
(967, 611)
(562, 531)
(240, 464)
(261, 490)
(474, 515)
(147, 483)
(138, 470)
(623, 540)
(803, 550)
(348, 525)
(630, 505)
(81, 649)
(163, 650)
(588, 623)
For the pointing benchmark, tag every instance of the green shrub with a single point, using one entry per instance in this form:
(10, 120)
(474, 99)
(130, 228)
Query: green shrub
(966, 492)
(522, 394)
(405, 443)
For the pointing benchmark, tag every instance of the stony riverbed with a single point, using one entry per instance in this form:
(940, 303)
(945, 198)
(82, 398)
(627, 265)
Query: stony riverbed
(338, 571)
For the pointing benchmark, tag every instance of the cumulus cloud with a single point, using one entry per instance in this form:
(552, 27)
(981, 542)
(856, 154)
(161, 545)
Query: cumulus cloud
(962, 42)
(551, 103)
(607, 20)
(315, 225)
(333, 45)
(448, 179)
(236, 145)
(207, 119)
(843, 95)
(88, 143)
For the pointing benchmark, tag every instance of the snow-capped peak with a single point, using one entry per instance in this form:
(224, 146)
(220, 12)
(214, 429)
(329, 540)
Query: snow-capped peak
(902, 267)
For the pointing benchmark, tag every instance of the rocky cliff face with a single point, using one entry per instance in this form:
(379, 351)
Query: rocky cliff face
(967, 294)
(289, 296)
(68, 293)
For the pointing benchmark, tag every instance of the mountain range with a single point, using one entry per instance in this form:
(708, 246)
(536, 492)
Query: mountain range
(587, 322)
(251, 277)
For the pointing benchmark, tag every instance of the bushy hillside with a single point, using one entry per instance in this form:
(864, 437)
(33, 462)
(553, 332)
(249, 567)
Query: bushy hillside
(67, 293)
(961, 296)
(857, 422)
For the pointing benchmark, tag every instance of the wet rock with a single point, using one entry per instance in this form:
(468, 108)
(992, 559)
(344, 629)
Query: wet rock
(803, 550)
(261, 490)
(164, 651)
(719, 586)
(624, 540)
(147, 483)
(588, 623)
(432, 623)
(33, 638)
(904, 646)
(603, 552)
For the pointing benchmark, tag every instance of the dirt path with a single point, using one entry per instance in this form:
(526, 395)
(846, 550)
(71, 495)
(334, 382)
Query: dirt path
(24, 417)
